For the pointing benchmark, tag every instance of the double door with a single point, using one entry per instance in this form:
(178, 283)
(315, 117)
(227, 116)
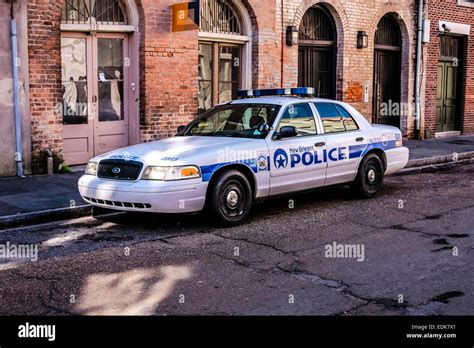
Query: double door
(95, 105)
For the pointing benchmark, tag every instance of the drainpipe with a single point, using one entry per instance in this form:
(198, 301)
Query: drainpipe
(16, 95)
(417, 70)
(282, 68)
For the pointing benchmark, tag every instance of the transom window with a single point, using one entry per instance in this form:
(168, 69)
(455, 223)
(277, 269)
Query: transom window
(335, 118)
(110, 12)
(218, 16)
(388, 32)
(317, 24)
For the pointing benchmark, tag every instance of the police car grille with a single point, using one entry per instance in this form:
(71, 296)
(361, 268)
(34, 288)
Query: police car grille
(119, 169)
(118, 204)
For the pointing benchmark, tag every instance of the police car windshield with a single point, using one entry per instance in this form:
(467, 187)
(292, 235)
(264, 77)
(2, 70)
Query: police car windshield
(234, 120)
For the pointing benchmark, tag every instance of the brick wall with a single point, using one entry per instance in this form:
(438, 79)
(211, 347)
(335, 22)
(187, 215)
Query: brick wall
(169, 72)
(169, 64)
(45, 78)
(449, 10)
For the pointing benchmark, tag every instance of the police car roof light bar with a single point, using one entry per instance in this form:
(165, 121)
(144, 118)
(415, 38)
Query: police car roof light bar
(299, 91)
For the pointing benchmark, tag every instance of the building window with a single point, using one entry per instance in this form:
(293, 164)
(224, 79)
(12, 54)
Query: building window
(467, 3)
(223, 53)
(103, 11)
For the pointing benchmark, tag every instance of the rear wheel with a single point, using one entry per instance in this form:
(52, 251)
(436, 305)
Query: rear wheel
(370, 177)
(230, 198)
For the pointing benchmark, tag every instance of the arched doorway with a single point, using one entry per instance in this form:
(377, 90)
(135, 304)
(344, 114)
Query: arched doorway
(99, 78)
(387, 108)
(225, 52)
(317, 52)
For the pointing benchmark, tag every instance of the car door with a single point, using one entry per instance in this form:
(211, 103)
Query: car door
(297, 162)
(344, 139)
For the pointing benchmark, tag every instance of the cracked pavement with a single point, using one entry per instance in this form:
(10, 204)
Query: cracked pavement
(418, 257)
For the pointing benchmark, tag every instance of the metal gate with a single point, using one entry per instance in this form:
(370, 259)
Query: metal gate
(387, 73)
(317, 52)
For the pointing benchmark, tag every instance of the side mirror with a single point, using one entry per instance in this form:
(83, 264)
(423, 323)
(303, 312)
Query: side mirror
(287, 132)
(181, 128)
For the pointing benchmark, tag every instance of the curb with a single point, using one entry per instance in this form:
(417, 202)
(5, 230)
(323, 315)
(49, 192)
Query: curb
(421, 162)
(51, 215)
(46, 216)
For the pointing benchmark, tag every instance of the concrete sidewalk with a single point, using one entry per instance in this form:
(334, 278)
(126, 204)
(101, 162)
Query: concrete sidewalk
(437, 151)
(45, 198)
(40, 199)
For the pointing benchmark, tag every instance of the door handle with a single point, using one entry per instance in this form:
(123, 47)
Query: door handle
(320, 144)
(94, 99)
(359, 139)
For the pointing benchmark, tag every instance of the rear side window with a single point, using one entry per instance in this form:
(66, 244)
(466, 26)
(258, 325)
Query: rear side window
(335, 118)
(347, 119)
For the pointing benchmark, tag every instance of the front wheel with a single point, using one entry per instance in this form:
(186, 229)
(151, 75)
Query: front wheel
(370, 177)
(230, 198)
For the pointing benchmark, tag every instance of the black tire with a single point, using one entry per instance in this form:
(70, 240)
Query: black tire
(230, 198)
(370, 177)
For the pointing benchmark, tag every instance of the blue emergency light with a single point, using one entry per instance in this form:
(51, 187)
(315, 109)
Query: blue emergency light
(299, 91)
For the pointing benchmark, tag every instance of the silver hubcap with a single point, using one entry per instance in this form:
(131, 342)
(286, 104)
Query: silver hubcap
(371, 175)
(232, 199)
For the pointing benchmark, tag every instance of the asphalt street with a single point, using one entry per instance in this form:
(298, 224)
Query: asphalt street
(414, 242)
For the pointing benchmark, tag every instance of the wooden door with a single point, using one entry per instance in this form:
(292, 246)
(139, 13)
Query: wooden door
(446, 97)
(110, 78)
(386, 106)
(77, 110)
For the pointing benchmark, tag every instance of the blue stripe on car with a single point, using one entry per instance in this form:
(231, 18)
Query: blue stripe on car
(208, 171)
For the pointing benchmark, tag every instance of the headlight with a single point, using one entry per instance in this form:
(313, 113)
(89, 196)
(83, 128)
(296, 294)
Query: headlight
(91, 168)
(171, 173)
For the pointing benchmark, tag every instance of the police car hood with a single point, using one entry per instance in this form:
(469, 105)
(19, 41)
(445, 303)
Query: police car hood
(182, 150)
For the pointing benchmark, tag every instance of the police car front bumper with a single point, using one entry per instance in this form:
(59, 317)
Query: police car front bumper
(144, 195)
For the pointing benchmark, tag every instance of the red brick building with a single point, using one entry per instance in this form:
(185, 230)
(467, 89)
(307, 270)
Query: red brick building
(104, 74)
(449, 58)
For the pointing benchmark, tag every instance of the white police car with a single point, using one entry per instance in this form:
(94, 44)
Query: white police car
(245, 150)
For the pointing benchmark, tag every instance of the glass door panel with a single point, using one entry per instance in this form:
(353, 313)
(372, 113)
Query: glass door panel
(110, 79)
(229, 72)
(205, 76)
(76, 83)
(74, 80)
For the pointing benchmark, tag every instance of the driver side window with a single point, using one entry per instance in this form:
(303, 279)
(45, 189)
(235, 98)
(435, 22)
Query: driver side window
(301, 117)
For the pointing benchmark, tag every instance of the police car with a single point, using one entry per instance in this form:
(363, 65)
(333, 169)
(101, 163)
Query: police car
(268, 143)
